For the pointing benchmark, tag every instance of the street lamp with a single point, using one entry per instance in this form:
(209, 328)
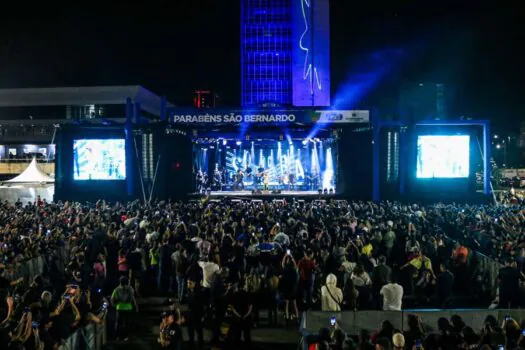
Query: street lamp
(504, 146)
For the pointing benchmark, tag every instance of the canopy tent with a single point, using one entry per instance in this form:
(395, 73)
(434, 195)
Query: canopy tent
(32, 175)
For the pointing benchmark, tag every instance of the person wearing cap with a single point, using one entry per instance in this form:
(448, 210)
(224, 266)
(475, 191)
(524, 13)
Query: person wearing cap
(123, 298)
(398, 341)
(171, 330)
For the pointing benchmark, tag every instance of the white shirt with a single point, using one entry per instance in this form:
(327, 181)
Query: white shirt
(327, 302)
(361, 280)
(208, 270)
(392, 297)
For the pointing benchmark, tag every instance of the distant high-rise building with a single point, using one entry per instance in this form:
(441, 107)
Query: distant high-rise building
(204, 99)
(285, 52)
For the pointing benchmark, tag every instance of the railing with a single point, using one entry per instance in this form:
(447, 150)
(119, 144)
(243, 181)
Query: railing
(487, 266)
(352, 322)
(33, 267)
(89, 337)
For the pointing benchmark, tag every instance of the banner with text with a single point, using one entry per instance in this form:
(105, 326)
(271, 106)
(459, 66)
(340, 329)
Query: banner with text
(212, 116)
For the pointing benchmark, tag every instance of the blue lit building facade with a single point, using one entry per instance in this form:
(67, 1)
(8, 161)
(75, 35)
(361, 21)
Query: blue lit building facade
(285, 53)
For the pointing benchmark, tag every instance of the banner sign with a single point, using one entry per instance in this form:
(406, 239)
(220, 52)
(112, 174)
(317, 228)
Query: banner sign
(213, 116)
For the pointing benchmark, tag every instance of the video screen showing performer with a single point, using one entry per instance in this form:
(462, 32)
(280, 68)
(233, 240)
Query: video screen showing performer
(299, 165)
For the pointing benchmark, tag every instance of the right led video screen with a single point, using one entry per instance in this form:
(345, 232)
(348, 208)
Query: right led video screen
(443, 156)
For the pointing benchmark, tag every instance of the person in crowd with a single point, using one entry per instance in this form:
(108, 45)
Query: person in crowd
(180, 263)
(444, 286)
(241, 306)
(123, 298)
(136, 270)
(383, 344)
(331, 296)
(307, 268)
(381, 275)
(165, 266)
(392, 295)
(415, 333)
(350, 295)
(171, 331)
(123, 264)
(509, 280)
(386, 331)
(288, 286)
(364, 340)
(398, 341)
(195, 315)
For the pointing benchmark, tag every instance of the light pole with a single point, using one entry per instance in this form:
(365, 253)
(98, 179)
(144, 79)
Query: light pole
(504, 146)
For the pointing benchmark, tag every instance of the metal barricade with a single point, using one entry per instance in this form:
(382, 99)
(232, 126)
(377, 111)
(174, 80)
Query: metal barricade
(352, 322)
(90, 337)
(489, 267)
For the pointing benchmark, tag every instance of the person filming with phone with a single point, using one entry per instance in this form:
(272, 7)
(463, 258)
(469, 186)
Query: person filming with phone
(288, 286)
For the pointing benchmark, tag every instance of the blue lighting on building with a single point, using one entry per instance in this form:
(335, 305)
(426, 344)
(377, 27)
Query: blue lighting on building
(266, 52)
(285, 53)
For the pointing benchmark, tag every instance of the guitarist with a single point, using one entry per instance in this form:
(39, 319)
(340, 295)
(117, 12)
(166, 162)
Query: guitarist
(259, 177)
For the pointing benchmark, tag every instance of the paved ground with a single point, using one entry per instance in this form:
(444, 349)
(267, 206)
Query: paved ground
(146, 332)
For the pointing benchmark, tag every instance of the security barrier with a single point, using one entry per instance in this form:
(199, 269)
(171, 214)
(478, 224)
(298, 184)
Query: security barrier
(352, 322)
(31, 268)
(90, 337)
(490, 268)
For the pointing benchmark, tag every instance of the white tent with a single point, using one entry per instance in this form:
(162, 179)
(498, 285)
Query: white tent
(32, 175)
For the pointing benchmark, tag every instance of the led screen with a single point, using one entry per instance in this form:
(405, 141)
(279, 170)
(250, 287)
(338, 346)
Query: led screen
(99, 159)
(443, 156)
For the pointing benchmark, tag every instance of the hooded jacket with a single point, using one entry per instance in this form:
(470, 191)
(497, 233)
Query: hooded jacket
(331, 296)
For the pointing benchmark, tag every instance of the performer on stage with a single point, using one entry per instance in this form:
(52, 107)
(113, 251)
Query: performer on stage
(202, 180)
(239, 181)
(259, 177)
(291, 181)
(315, 181)
(266, 180)
(217, 179)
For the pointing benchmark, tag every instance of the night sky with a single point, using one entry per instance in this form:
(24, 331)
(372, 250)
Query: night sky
(175, 48)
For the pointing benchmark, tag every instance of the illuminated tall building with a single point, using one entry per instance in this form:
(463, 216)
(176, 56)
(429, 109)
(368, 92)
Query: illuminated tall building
(285, 53)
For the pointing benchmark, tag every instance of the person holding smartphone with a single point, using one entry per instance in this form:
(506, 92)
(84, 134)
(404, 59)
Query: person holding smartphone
(288, 285)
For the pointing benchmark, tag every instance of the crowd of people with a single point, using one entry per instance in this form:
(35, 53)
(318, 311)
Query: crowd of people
(451, 333)
(229, 260)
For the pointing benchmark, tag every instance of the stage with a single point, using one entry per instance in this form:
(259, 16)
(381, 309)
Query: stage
(262, 195)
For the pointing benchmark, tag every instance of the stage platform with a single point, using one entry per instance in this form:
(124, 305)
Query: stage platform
(265, 195)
